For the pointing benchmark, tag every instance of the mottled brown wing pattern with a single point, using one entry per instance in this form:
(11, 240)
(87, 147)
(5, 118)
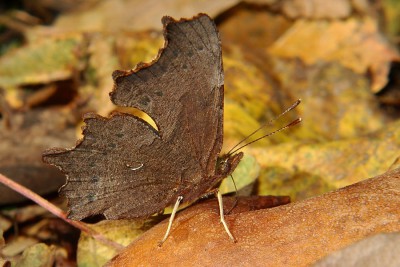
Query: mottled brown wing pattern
(123, 168)
(183, 90)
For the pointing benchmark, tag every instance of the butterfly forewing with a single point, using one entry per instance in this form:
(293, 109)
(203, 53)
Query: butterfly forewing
(123, 168)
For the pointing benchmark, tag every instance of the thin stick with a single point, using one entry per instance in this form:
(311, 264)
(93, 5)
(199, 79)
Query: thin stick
(57, 212)
(171, 219)
(222, 218)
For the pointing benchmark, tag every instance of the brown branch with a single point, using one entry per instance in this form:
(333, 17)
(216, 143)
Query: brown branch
(58, 212)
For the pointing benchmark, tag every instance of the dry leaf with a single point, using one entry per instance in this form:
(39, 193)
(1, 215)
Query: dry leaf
(247, 68)
(277, 179)
(22, 144)
(391, 10)
(296, 234)
(25, 214)
(2, 242)
(93, 253)
(377, 250)
(252, 30)
(355, 43)
(337, 102)
(40, 255)
(17, 245)
(131, 15)
(317, 9)
(292, 168)
(43, 61)
(102, 62)
(5, 224)
(250, 101)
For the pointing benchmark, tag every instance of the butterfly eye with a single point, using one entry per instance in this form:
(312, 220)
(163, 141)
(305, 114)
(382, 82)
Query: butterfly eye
(223, 165)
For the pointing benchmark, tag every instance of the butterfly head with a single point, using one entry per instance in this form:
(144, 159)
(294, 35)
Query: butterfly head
(227, 163)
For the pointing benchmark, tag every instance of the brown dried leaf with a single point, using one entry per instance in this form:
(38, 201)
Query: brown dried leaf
(93, 253)
(317, 9)
(296, 234)
(2, 241)
(391, 11)
(25, 214)
(378, 250)
(43, 61)
(5, 224)
(17, 245)
(356, 43)
(22, 144)
(250, 99)
(303, 170)
(252, 30)
(132, 15)
(337, 102)
(40, 255)
(101, 64)
(247, 68)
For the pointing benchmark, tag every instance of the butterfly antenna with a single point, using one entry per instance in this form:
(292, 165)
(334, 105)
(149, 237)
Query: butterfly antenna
(293, 123)
(233, 149)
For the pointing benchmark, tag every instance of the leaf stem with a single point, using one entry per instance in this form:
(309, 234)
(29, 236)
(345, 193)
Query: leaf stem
(58, 212)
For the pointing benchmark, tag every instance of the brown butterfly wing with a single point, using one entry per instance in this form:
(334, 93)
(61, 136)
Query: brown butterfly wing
(105, 172)
(183, 90)
(123, 168)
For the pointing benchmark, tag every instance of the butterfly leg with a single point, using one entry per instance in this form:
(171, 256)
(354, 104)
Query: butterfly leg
(221, 212)
(171, 219)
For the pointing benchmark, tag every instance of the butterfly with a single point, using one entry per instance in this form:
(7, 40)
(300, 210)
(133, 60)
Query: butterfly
(125, 168)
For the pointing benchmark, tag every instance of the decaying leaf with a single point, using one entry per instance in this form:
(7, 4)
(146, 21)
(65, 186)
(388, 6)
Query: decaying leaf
(276, 179)
(93, 253)
(2, 242)
(317, 9)
(247, 68)
(289, 169)
(115, 16)
(41, 255)
(251, 102)
(391, 10)
(17, 246)
(272, 56)
(23, 140)
(58, 59)
(377, 250)
(337, 102)
(296, 234)
(101, 63)
(5, 224)
(355, 43)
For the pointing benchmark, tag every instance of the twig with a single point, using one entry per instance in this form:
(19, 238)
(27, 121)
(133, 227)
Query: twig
(58, 212)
